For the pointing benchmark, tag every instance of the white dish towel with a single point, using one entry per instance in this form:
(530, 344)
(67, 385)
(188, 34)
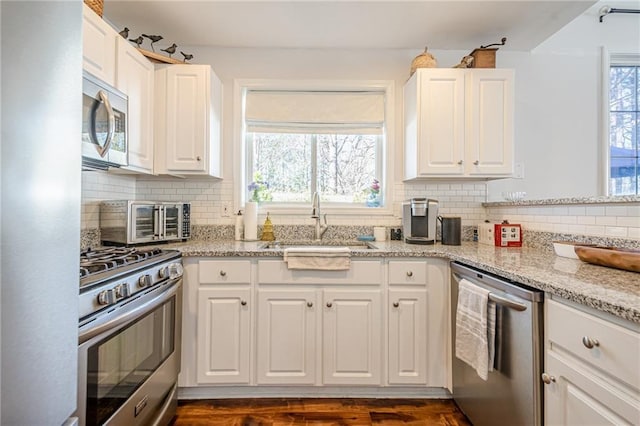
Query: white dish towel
(475, 328)
(318, 258)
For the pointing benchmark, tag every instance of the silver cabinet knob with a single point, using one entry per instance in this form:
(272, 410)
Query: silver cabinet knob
(475, 163)
(409, 273)
(243, 302)
(590, 343)
(396, 304)
(107, 297)
(310, 304)
(198, 158)
(145, 280)
(223, 274)
(460, 163)
(547, 379)
(329, 304)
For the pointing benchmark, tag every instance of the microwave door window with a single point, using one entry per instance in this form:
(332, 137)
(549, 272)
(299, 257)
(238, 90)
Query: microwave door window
(144, 223)
(172, 221)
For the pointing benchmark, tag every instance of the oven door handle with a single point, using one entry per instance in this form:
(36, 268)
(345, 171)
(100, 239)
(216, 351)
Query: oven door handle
(138, 311)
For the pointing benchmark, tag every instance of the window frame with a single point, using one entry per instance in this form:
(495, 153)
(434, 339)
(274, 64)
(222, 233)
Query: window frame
(610, 59)
(387, 148)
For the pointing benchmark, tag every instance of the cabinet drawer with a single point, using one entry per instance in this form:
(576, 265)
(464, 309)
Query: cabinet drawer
(224, 271)
(361, 272)
(407, 272)
(617, 352)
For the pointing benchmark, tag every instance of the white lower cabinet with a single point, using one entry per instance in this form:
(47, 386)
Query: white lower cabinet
(287, 336)
(351, 337)
(592, 368)
(255, 322)
(224, 335)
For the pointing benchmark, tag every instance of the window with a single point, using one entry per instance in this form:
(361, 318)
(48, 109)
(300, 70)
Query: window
(302, 141)
(624, 128)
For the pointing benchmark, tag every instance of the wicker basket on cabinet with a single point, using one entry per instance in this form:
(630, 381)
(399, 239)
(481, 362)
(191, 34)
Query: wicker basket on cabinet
(96, 5)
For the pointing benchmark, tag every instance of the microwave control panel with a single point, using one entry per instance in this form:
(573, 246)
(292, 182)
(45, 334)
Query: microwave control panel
(186, 221)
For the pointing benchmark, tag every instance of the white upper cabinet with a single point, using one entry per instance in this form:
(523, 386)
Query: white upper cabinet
(98, 47)
(459, 123)
(134, 77)
(187, 120)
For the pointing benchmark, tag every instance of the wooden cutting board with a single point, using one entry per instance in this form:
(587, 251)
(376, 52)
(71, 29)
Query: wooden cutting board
(612, 257)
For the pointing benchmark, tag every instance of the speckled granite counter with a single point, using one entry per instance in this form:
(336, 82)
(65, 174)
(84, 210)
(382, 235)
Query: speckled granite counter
(609, 290)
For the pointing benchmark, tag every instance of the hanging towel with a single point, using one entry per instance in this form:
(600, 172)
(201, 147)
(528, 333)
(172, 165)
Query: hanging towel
(318, 258)
(475, 328)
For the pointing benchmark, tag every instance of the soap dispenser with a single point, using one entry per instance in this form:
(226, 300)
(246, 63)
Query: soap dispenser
(267, 230)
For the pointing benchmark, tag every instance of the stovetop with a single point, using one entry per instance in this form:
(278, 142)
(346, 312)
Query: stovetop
(98, 265)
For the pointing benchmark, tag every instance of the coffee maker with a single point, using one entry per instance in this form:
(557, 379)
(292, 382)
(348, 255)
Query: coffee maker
(419, 217)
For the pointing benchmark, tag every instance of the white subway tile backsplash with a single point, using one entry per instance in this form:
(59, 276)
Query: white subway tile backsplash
(616, 231)
(595, 210)
(628, 221)
(606, 220)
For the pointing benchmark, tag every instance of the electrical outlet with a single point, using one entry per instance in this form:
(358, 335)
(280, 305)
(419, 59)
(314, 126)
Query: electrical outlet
(226, 210)
(518, 172)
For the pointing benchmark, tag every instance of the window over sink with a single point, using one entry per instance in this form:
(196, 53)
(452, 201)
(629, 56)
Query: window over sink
(316, 136)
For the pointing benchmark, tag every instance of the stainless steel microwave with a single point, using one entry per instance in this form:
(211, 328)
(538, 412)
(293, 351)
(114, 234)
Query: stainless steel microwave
(104, 125)
(141, 222)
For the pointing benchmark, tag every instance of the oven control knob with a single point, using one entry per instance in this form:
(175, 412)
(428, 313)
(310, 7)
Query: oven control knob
(123, 290)
(145, 280)
(107, 297)
(175, 270)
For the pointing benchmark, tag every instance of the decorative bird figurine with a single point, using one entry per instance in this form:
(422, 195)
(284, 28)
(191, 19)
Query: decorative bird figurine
(124, 33)
(465, 62)
(137, 41)
(187, 56)
(171, 49)
(153, 38)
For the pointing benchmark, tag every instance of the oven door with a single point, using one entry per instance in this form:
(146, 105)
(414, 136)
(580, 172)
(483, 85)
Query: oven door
(173, 215)
(129, 360)
(146, 223)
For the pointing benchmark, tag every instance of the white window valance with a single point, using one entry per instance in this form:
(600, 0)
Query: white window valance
(315, 111)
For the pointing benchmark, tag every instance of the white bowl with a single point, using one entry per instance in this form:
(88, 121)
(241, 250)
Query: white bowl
(567, 248)
(514, 195)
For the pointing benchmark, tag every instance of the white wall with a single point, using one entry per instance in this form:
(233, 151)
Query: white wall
(558, 106)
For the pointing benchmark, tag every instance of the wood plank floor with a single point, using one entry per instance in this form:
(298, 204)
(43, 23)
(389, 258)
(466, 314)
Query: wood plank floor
(323, 411)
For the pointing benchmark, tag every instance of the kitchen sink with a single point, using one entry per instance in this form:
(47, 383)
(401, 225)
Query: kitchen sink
(351, 245)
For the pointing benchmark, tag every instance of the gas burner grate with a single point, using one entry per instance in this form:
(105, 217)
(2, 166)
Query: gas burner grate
(109, 258)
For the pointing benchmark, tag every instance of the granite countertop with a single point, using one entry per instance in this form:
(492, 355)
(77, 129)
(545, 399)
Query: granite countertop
(609, 290)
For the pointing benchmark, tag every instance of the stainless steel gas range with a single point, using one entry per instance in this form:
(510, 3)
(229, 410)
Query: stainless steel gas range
(129, 336)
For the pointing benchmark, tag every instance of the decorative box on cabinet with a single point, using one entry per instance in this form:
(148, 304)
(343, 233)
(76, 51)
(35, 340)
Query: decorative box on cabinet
(459, 123)
(98, 47)
(188, 119)
(592, 368)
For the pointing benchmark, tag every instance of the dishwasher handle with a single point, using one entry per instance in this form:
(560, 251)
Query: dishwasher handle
(507, 303)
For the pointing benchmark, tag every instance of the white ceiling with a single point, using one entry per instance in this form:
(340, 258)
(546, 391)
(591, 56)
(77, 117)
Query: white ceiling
(450, 25)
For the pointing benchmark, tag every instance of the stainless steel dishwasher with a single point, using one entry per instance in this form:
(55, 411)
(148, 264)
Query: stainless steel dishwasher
(512, 395)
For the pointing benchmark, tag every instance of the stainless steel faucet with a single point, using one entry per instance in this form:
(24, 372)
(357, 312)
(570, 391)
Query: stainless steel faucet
(320, 228)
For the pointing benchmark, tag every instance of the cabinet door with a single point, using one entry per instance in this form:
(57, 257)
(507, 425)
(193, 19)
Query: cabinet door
(577, 398)
(134, 77)
(223, 335)
(98, 46)
(187, 118)
(287, 336)
(489, 132)
(407, 336)
(351, 337)
(441, 122)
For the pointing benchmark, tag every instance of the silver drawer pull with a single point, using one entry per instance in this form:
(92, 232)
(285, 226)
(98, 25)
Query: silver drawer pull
(590, 343)
(409, 273)
(547, 379)
(223, 274)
